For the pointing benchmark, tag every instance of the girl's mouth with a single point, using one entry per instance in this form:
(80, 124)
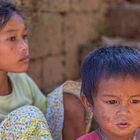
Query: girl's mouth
(25, 58)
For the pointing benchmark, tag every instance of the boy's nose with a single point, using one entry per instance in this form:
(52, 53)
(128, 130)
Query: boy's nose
(123, 109)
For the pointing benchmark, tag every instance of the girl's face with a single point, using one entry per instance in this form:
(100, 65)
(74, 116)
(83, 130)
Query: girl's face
(117, 105)
(14, 52)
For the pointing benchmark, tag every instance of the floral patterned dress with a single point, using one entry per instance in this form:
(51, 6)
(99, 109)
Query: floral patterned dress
(25, 123)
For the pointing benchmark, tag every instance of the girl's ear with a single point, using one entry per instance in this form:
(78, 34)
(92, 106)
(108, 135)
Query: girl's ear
(86, 103)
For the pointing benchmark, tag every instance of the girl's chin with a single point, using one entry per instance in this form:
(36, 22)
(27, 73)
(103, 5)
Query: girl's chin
(19, 70)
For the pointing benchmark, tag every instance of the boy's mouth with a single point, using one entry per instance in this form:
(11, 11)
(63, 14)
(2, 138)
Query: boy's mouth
(123, 124)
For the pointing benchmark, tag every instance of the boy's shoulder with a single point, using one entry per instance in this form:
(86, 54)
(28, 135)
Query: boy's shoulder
(90, 136)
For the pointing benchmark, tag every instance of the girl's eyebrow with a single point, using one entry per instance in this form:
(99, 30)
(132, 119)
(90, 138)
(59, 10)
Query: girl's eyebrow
(15, 30)
(11, 31)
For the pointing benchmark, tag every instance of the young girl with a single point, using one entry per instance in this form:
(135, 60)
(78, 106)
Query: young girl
(17, 89)
(111, 90)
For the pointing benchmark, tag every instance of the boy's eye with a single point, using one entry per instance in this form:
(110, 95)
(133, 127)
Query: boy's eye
(111, 102)
(134, 101)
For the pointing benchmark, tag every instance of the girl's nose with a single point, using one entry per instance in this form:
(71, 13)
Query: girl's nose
(23, 45)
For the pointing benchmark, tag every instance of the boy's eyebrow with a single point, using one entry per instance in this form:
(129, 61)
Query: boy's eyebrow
(137, 95)
(108, 95)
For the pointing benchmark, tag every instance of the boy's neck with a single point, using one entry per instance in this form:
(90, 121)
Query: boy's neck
(103, 136)
(5, 87)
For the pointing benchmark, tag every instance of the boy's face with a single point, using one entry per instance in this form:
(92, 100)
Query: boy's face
(14, 54)
(117, 105)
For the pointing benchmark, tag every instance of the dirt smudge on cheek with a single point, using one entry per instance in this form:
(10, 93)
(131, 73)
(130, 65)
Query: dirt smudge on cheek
(102, 116)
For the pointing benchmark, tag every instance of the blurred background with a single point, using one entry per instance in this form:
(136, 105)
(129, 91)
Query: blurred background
(62, 32)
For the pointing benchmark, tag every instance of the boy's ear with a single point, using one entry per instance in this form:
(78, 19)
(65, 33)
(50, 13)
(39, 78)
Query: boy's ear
(86, 103)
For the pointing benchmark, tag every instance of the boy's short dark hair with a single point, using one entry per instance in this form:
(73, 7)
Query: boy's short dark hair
(106, 61)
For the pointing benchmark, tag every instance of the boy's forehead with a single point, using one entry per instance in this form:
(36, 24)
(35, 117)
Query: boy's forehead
(119, 85)
(118, 78)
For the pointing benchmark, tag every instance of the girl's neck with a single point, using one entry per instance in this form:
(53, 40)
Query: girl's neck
(5, 87)
(103, 136)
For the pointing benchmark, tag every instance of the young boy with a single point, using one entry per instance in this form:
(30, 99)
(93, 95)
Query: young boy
(111, 90)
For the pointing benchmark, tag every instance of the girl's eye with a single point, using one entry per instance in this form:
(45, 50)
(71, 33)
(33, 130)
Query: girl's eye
(134, 101)
(111, 102)
(25, 37)
(12, 38)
